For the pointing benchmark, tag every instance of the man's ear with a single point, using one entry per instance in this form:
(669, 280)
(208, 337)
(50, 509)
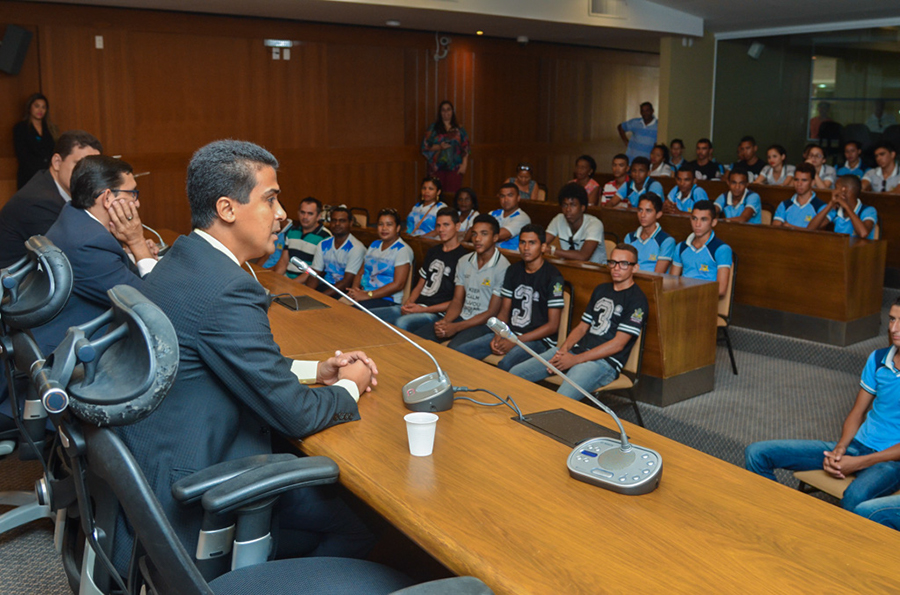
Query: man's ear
(225, 209)
(55, 162)
(714, 221)
(105, 199)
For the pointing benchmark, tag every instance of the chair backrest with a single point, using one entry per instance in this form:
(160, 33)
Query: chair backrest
(565, 317)
(611, 236)
(632, 367)
(36, 288)
(767, 213)
(360, 216)
(610, 246)
(876, 232)
(725, 302)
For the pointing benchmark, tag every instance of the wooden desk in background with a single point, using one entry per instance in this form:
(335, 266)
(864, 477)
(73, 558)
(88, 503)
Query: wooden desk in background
(495, 499)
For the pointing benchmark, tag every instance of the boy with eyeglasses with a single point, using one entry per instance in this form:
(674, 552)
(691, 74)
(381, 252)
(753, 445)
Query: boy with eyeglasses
(597, 348)
(580, 235)
(702, 255)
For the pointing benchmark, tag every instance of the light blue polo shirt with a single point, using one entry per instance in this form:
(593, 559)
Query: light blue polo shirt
(705, 262)
(643, 137)
(627, 191)
(686, 204)
(790, 211)
(857, 171)
(514, 223)
(659, 246)
(379, 265)
(845, 225)
(426, 214)
(751, 199)
(881, 428)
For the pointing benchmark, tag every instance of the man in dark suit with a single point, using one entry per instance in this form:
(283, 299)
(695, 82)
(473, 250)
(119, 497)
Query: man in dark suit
(233, 386)
(34, 208)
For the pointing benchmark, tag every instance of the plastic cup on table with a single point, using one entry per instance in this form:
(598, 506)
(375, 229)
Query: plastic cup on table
(420, 428)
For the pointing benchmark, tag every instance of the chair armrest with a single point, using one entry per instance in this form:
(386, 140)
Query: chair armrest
(268, 481)
(190, 489)
(460, 585)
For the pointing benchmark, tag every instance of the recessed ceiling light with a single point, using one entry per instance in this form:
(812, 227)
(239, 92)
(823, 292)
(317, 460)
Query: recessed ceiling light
(392, 23)
(479, 32)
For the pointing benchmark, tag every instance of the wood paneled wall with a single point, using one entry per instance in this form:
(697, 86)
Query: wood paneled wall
(345, 115)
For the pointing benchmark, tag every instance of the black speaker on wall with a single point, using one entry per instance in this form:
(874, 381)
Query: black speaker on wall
(12, 52)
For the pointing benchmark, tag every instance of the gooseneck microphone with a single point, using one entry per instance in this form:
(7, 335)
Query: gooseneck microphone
(431, 392)
(162, 242)
(614, 465)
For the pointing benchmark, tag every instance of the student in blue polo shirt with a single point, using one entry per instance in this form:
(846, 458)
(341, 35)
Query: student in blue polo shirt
(869, 446)
(686, 192)
(510, 217)
(853, 164)
(739, 204)
(631, 191)
(800, 209)
(846, 210)
(655, 247)
(702, 255)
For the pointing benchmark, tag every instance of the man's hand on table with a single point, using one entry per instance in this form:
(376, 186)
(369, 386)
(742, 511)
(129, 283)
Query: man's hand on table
(354, 365)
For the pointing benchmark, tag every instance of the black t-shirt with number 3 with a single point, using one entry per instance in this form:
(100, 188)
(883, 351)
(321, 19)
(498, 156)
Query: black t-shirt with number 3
(609, 312)
(532, 295)
(439, 272)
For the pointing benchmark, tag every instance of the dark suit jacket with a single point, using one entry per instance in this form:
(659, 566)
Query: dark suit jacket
(30, 211)
(98, 264)
(233, 384)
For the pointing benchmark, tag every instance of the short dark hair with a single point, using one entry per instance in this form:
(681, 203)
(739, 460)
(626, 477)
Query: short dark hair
(510, 185)
(590, 162)
(535, 229)
(806, 168)
(627, 248)
(740, 170)
(705, 141)
(641, 160)
(391, 212)
(433, 180)
(573, 190)
(448, 212)
(851, 182)
(647, 103)
(94, 174)
(341, 209)
(75, 139)
(490, 220)
(779, 148)
(223, 168)
(654, 199)
(747, 139)
(705, 205)
(471, 194)
(686, 170)
(312, 200)
(620, 157)
(885, 145)
(855, 143)
(677, 140)
(810, 147)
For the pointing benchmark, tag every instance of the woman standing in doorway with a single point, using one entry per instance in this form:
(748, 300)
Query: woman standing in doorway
(446, 147)
(34, 138)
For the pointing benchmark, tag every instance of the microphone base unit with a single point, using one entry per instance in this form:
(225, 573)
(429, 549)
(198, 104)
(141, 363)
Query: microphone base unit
(431, 392)
(603, 463)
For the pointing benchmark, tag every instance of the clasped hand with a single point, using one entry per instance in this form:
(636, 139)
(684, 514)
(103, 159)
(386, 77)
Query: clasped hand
(354, 365)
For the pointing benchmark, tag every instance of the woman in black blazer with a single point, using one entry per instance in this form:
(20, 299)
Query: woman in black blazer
(34, 138)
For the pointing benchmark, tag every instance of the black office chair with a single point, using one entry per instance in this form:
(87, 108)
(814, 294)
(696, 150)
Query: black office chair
(89, 385)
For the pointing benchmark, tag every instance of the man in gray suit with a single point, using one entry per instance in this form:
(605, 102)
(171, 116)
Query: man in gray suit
(234, 388)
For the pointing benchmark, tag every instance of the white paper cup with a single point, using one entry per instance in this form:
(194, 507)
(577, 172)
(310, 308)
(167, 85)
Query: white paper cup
(420, 427)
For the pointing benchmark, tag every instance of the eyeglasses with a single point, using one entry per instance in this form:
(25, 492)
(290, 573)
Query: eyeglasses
(622, 264)
(134, 193)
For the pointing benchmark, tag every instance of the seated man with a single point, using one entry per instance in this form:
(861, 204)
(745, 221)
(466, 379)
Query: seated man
(748, 158)
(655, 247)
(430, 298)
(338, 258)
(799, 210)
(704, 166)
(33, 209)
(510, 217)
(597, 348)
(702, 255)
(234, 389)
(686, 192)
(632, 191)
(869, 446)
(846, 211)
(580, 235)
(825, 174)
(885, 177)
(739, 204)
(853, 164)
(93, 231)
(476, 297)
(532, 303)
(301, 240)
(620, 177)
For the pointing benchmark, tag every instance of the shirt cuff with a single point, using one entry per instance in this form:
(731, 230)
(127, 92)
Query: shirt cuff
(305, 371)
(145, 265)
(350, 387)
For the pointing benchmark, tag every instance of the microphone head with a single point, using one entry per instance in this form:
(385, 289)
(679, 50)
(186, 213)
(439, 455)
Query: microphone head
(300, 264)
(499, 327)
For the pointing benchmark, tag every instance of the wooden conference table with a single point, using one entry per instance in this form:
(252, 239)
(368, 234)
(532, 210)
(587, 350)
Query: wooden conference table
(495, 499)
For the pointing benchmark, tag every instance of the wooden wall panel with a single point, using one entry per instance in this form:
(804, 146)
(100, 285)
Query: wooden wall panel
(14, 90)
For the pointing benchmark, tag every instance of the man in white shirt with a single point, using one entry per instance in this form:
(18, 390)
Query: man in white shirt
(580, 235)
(886, 176)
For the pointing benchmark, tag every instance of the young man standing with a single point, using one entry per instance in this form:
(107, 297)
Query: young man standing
(704, 166)
(532, 295)
(510, 217)
(739, 204)
(869, 446)
(853, 164)
(431, 296)
(686, 192)
(338, 258)
(702, 255)
(747, 157)
(476, 296)
(643, 133)
(580, 235)
(631, 192)
(655, 247)
(597, 348)
(886, 176)
(302, 242)
(800, 209)
(620, 178)
(846, 210)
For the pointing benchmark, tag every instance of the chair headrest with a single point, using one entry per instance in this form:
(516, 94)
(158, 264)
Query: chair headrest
(122, 376)
(36, 288)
